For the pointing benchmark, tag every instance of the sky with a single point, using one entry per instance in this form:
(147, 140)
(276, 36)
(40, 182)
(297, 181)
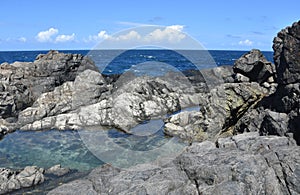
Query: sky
(71, 25)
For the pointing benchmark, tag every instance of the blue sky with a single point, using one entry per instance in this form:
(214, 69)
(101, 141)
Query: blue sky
(62, 24)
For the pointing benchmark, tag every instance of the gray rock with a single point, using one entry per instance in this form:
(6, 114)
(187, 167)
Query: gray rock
(287, 60)
(87, 88)
(274, 123)
(243, 164)
(89, 101)
(251, 121)
(80, 187)
(222, 109)
(13, 180)
(286, 54)
(186, 125)
(57, 170)
(21, 83)
(253, 66)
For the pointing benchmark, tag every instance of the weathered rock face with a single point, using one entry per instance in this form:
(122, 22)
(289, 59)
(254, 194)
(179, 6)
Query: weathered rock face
(253, 66)
(287, 54)
(21, 83)
(244, 164)
(222, 109)
(89, 101)
(287, 60)
(273, 112)
(12, 180)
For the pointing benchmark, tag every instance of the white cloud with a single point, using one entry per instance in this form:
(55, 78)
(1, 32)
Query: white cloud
(99, 37)
(132, 35)
(65, 38)
(246, 42)
(170, 34)
(103, 35)
(22, 39)
(46, 36)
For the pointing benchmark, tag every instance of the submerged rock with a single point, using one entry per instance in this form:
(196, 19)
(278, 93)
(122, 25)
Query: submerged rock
(57, 170)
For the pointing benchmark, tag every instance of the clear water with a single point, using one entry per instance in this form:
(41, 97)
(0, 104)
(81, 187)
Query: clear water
(45, 149)
(48, 148)
(71, 148)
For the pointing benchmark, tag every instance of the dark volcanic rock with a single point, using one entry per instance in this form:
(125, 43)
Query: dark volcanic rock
(220, 111)
(243, 164)
(287, 60)
(253, 66)
(287, 54)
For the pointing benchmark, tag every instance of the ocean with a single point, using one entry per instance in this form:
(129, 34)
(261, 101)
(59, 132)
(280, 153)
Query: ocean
(118, 61)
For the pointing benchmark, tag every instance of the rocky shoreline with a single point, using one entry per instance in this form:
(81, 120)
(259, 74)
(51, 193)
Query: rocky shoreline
(244, 139)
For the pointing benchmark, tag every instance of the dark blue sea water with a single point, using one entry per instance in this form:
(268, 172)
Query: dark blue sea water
(47, 148)
(118, 61)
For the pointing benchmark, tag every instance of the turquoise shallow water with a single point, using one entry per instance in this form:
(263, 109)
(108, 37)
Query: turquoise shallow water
(45, 149)
(86, 149)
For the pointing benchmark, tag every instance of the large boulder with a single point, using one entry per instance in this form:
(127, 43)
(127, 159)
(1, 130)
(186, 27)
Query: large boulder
(287, 60)
(254, 67)
(13, 180)
(287, 54)
(21, 83)
(220, 111)
(90, 101)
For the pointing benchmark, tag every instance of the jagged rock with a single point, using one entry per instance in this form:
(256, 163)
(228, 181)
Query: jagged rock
(223, 108)
(274, 123)
(30, 176)
(218, 75)
(243, 164)
(21, 83)
(287, 54)
(89, 101)
(186, 125)
(88, 88)
(253, 66)
(287, 60)
(12, 180)
(251, 121)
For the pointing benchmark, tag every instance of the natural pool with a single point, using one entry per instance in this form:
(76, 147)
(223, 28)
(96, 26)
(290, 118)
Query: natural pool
(84, 150)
